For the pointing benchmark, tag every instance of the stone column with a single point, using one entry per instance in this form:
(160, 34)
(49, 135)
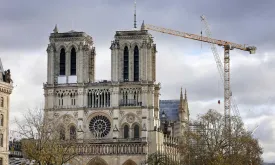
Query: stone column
(131, 64)
(80, 65)
(149, 62)
(115, 113)
(85, 99)
(80, 113)
(50, 73)
(68, 64)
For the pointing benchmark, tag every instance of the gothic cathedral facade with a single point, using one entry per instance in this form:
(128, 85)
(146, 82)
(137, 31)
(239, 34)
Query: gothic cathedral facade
(115, 120)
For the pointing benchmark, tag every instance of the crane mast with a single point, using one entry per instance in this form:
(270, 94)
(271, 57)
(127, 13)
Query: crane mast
(227, 47)
(220, 67)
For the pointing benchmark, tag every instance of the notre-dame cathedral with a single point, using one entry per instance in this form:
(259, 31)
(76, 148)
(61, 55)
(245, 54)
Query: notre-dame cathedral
(117, 121)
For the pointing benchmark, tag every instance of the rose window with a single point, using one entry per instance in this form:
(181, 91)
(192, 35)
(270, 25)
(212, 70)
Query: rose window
(100, 126)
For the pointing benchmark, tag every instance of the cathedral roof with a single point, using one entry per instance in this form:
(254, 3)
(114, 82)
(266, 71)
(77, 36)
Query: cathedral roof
(71, 33)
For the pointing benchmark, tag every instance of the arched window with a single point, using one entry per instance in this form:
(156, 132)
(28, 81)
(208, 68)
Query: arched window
(2, 120)
(62, 133)
(136, 131)
(2, 101)
(126, 64)
(73, 61)
(136, 64)
(72, 133)
(62, 62)
(61, 99)
(126, 131)
(72, 99)
(1, 140)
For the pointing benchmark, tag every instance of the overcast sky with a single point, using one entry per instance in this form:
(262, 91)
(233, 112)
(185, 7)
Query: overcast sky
(26, 25)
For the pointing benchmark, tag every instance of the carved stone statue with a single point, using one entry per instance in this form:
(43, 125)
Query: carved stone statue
(7, 76)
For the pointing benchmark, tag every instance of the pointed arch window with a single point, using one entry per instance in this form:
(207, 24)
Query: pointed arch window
(61, 99)
(136, 131)
(126, 64)
(73, 61)
(1, 140)
(126, 131)
(62, 62)
(72, 99)
(72, 133)
(2, 101)
(2, 120)
(136, 64)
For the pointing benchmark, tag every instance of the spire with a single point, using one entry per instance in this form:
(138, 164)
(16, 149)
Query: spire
(1, 70)
(185, 95)
(1, 67)
(142, 26)
(135, 15)
(55, 30)
(181, 95)
(181, 100)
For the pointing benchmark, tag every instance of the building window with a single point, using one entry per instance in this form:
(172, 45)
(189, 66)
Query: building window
(2, 101)
(2, 120)
(126, 64)
(62, 133)
(136, 64)
(1, 140)
(72, 133)
(126, 131)
(72, 99)
(62, 62)
(73, 61)
(60, 100)
(136, 131)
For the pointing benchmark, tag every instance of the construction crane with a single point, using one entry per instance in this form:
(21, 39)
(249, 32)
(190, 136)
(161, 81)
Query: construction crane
(219, 63)
(227, 47)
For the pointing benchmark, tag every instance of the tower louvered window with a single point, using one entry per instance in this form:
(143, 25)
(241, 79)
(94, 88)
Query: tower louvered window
(73, 61)
(62, 63)
(136, 64)
(136, 131)
(126, 64)
(126, 131)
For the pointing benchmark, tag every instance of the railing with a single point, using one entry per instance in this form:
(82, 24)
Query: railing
(115, 140)
(129, 102)
(112, 149)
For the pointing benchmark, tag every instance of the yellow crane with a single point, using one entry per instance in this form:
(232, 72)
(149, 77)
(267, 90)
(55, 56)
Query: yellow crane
(227, 47)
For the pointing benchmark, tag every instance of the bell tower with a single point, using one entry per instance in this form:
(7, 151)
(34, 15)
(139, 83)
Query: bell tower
(71, 58)
(133, 56)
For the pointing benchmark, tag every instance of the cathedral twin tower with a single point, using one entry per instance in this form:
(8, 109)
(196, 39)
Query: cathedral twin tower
(125, 108)
(133, 57)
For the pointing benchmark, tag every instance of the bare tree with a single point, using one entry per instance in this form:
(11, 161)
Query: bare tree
(210, 143)
(44, 140)
(159, 158)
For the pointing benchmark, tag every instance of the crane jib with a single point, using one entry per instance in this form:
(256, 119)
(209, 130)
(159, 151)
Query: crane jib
(251, 49)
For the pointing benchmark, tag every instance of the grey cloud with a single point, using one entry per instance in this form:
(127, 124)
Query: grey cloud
(17, 18)
(265, 132)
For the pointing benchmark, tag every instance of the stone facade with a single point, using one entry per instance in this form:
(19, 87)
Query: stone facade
(117, 120)
(5, 91)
